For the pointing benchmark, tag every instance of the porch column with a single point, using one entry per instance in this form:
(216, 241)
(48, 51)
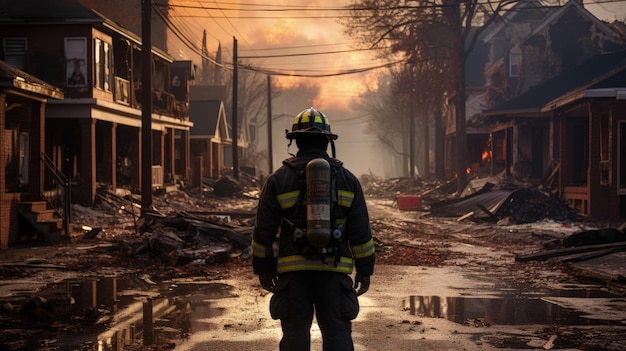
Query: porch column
(185, 156)
(113, 155)
(171, 155)
(88, 161)
(208, 159)
(137, 162)
(37, 144)
(160, 146)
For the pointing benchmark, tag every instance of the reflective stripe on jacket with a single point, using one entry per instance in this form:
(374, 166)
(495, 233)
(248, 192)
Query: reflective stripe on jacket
(278, 202)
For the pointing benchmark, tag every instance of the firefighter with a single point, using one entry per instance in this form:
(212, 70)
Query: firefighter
(312, 229)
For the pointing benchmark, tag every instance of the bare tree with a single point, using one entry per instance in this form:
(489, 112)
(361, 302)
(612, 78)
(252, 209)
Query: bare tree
(391, 122)
(436, 33)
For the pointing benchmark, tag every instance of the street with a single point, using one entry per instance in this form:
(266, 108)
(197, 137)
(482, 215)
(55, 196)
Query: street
(439, 285)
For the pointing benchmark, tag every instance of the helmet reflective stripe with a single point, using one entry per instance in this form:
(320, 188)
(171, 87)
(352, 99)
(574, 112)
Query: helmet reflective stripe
(258, 250)
(301, 263)
(363, 250)
(303, 120)
(311, 121)
(345, 198)
(287, 200)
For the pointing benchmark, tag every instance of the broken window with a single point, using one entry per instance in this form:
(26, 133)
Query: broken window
(103, 58)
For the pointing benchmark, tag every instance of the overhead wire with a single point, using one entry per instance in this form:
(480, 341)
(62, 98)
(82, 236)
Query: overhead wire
(279, 8)
(284, 72)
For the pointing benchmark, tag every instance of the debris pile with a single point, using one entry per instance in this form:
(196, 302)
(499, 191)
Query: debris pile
(181, 228)
(491, 199)
(517, 206)
(390, 188)
(201, 237)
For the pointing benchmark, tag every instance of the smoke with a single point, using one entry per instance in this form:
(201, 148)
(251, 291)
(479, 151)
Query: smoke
(314, 40)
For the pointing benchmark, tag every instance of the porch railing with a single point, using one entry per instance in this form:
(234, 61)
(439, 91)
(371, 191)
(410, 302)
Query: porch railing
(57, 191)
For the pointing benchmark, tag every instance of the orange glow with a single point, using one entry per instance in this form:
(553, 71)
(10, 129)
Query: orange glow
(486, 156)
(468, 170)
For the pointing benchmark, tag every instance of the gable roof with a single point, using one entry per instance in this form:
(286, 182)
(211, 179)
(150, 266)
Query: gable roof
(510, 15)
(209, 120)
(575, 5)
(598, 72)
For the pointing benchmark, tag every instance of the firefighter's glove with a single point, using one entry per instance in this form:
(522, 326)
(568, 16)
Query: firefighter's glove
(268, 281)
(361, 283)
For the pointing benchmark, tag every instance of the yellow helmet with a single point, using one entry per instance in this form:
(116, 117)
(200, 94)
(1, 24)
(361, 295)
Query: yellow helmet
(311, 121)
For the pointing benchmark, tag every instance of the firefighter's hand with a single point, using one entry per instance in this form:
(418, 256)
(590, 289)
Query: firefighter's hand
(361, 283)
(268, 281)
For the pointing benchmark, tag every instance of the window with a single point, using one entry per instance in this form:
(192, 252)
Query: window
(76, 60)
(515, 60)
(15, 51)
(103, 56)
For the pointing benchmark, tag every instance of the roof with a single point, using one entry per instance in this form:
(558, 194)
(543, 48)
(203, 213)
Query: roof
(509, 16)
(13, 78)
(573, 4)
(595, 71)
(64, 12)
(209, 119)
(38, 10)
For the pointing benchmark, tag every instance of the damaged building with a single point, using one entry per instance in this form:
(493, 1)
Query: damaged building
(93, 135)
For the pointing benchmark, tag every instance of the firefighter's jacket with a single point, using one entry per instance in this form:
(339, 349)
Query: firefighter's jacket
(278, 212)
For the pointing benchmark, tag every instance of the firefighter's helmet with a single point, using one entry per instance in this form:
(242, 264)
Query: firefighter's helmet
(311, 121)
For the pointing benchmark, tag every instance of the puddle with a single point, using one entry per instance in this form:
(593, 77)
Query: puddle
(130, 310)
(516, 310)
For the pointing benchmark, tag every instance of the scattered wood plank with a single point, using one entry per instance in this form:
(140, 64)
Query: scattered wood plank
(568, 251)
(593, 254)
(489, 213)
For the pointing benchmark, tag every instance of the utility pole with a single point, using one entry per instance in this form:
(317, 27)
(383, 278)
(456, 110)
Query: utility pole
(235, 137)
(411, 137)
(146, 107)
(270, 151)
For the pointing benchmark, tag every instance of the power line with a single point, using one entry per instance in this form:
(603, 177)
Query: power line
(308, 53)
(322, 75)
(189, 43)
(302, 46)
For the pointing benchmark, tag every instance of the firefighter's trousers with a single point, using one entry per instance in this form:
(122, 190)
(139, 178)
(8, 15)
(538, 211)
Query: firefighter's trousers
(329, 294)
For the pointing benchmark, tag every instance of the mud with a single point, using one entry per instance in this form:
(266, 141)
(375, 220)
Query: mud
(439, 285)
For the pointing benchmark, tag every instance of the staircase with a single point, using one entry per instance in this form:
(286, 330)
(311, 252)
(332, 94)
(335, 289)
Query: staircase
(45, 223)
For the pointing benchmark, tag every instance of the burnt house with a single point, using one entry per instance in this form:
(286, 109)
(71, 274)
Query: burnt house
(585, 107)
(93, 135)
(23, 99)
(530, 45)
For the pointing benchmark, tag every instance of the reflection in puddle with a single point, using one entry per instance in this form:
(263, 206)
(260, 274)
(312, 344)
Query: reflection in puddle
(131, 310)
(514, 310)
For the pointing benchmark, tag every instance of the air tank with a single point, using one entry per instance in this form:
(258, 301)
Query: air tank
(318, 201)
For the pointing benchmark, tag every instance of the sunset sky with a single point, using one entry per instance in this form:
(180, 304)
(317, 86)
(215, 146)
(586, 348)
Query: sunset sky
(310, 30)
